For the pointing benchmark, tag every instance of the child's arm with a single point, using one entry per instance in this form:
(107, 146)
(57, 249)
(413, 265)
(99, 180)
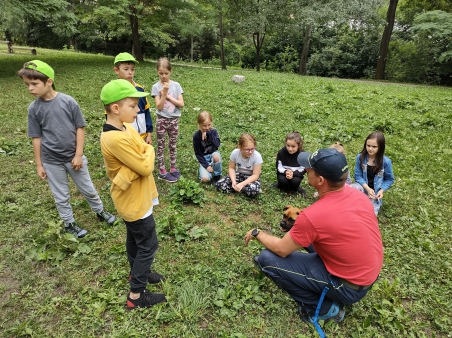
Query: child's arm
(179, 102)
(37, 151)
(388, 178)
(231, 172)
(198, 151)
(142, 164)
(77, 161)
(254, 177)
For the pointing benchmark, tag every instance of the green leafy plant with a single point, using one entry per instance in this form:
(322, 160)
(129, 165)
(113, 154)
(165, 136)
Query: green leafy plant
(174, 225)
(55, 244)
(187, 191)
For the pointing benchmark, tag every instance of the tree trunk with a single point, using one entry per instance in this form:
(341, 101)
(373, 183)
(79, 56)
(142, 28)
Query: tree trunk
(223, 59)
(191, 49)
(384, 44)
(258, 42)
(136, 47)
(302, 70)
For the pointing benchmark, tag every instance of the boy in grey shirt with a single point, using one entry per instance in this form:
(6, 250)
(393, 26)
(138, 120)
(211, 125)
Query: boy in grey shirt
(57, 128)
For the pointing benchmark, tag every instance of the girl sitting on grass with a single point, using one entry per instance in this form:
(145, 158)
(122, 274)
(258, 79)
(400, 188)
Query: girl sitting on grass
(245, 164)
(373, 170)
(288, 172)
(205, 144)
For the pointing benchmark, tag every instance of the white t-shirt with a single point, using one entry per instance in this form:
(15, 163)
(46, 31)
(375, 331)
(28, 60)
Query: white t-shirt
(169, 109)
(245, 165)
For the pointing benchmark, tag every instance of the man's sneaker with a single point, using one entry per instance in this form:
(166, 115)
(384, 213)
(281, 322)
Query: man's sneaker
(175, 173)
(335, 313)
(167, 177)
(147, 299)
(74, 229)
(105, 216)
(153, 278)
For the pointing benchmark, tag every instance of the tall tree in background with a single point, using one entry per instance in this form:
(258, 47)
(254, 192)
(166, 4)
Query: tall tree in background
(384, 45)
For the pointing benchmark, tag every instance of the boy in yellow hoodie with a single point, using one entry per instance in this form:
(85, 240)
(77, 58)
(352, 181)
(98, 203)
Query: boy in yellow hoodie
(129, 163)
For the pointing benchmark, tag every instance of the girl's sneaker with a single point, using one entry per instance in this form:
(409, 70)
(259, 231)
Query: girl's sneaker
(175, 173)
(74, 229)
(167, 177)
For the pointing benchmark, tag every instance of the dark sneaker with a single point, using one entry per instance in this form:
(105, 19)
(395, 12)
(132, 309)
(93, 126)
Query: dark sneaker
(105, 216)
(153, 278)
(216, 178)
(274, 185)
(147, 299)
(335, 313)
(175, 173)
(74, 229)
(167, 177)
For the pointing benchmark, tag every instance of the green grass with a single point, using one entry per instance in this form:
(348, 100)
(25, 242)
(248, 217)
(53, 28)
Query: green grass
(212, 288)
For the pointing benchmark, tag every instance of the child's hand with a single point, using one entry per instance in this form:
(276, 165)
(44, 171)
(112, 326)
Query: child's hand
(204, 135)
(289, 174)
(371, 194)
(77, 162)
(209, 169)
(380, 194)
(148, 139)
(41, 172)
(237, 187)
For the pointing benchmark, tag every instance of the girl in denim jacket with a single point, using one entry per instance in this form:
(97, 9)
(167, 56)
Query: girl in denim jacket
(373, 170)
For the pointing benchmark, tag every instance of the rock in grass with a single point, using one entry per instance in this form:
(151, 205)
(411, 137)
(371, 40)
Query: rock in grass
(238, 78)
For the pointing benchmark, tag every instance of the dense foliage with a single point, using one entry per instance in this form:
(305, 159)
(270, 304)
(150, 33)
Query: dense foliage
(341, 38)
(51, 286)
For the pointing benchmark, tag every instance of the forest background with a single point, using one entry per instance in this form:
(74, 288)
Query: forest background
(406, 40)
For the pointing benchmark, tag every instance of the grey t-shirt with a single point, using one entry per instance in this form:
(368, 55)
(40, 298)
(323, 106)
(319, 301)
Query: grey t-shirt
(169, 109)
(56, 122)
(245, 165)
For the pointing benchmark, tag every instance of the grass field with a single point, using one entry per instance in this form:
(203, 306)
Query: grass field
(53, 287)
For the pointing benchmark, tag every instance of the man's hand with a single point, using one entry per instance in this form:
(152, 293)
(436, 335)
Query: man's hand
(248, 237)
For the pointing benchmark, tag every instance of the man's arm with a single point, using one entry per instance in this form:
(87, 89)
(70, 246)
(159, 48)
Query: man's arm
(279, 246)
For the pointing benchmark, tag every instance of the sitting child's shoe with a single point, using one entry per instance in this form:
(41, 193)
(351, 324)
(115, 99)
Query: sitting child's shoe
(301, 191)
(147, 299)
(74, 229)
(175, 173)
(105, 216)
(167, 177)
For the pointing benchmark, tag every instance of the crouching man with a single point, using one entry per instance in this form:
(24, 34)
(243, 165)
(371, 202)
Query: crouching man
(341, 236)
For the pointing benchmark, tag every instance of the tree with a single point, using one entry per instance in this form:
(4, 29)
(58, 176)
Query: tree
(46, 23)
(384, 44)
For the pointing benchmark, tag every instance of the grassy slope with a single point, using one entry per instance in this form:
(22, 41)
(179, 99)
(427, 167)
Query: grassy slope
(212, 289)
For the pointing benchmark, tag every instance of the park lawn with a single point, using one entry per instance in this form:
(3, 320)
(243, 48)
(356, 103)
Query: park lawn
(53, 287)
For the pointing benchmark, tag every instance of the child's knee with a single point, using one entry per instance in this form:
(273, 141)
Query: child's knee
(216, 158)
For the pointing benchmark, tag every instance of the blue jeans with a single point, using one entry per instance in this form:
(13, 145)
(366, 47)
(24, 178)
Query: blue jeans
(203, 173)
(304, 276)
(375, 203)
(141, 247)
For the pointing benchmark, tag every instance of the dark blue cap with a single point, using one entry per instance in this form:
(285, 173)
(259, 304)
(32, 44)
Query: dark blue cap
(328, 163)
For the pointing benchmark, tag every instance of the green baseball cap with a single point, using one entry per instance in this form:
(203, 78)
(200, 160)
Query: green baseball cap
(119, 89)
(125, 57)
(43, 68)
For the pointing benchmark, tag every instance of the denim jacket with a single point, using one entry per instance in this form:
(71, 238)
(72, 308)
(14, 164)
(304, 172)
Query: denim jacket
(383, 179)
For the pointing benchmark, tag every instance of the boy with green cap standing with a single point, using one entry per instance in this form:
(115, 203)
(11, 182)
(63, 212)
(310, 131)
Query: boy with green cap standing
(57, 127)
(129, 163)
(125, 69)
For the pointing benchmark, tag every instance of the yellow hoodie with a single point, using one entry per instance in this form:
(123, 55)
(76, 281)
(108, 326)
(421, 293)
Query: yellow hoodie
(129, 163)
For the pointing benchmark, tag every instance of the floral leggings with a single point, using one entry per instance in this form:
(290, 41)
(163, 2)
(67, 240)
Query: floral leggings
(168, 126)
(250, 190)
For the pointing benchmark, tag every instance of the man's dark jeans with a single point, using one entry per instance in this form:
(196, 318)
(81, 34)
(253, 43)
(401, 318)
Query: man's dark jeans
(141, 246)
(304, 276)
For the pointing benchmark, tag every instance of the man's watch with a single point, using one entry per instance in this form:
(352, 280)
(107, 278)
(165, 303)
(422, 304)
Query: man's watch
(255, 232)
